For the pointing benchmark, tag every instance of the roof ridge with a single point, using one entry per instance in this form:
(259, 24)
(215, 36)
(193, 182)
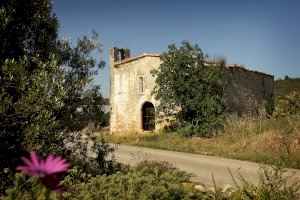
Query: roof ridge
(136, 57)
(239, 66)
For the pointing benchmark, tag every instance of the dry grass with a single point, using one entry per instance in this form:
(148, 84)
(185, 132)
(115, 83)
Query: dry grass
(265, 141)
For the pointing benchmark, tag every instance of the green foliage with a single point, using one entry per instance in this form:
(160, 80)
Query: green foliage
(150, 180)
(288, 105)
(153, 167)
(83, 102)
(285, 86)
(82, 171)
(27, 28)
(156, 180)
(186, 131)
(273, 184)
(147, 181)
(28, 101)
(106, 119)
(90, 156)
(45, 83)
(190, 93)
(25, 189)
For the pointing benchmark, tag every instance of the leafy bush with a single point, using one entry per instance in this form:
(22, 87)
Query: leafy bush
(46, 84)
(89, 154)
(285, 86)
(25, 188)
(289, 105)
(28, 100)
(154, 167)
(273, 184)
(187, 131)
(105, 120)
(149, 180)
(190, 93)
(156, 180)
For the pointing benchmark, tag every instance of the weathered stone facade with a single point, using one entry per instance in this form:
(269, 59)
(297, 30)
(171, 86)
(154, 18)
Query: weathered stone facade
(131, 85)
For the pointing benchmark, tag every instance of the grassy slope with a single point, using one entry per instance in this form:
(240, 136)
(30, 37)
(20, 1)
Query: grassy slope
(264, 141)
(283, 87)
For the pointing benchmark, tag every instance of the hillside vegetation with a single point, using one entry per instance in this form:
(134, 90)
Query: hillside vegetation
(285, 86)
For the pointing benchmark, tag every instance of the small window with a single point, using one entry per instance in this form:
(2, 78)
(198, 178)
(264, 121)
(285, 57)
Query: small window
(141, 84)
(120, 85)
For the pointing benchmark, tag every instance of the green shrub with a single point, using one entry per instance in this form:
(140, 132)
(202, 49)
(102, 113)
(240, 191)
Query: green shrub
(84, 151)
(25, 188)
(289, 105)
(285, 86)
(28, 100)
(273, 184)
(46, 83)
(154, 167)
(155, 180)
(149, 180)
(187, 131)
(190, 93)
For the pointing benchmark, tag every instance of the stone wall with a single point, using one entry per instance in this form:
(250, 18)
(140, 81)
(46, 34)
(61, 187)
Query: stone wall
(247, 91)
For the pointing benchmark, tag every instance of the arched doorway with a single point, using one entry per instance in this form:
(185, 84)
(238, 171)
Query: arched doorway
(148, 117)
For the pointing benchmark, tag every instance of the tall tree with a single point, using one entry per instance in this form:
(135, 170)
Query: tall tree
(27, 27)
(190, 93)
(83, 102)
(46, 84)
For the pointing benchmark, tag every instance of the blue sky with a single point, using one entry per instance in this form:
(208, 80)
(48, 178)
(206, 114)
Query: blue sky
(262, 35)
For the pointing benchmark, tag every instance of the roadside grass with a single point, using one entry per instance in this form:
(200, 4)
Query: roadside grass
(267, 141)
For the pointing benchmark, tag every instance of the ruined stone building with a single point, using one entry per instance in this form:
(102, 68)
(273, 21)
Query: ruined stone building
(133, 105)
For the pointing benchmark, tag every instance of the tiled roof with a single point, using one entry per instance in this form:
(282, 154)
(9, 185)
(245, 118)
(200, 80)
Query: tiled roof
(157, 55)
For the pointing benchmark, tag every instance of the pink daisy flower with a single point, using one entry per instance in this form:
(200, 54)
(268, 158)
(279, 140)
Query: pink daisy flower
(47, 170)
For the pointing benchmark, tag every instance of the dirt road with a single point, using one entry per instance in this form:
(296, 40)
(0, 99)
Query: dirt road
(202, 166)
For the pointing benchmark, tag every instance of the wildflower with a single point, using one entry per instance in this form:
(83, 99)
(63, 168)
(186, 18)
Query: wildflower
(47, 170)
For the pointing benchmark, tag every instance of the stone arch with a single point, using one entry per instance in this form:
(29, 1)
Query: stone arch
(148, 116)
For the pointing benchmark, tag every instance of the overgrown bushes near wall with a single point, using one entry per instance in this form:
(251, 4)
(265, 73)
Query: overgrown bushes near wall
(288, 105)
(285, 86)
(156, 181)
(190, 94)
